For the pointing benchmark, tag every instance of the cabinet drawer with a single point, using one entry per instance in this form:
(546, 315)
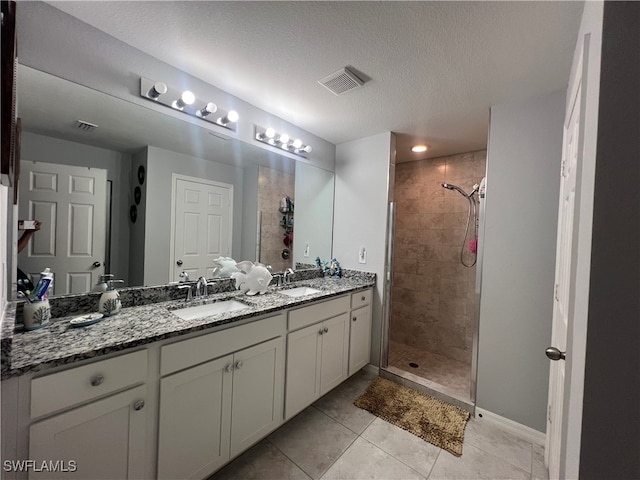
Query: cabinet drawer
(64, 389)
(187, 353)
(360, 299)
(318, 312)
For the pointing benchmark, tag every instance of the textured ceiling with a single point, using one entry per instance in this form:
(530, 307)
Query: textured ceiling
(435, 68)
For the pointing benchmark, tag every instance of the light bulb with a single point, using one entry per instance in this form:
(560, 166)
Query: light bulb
(297, 143)
(158, 88)
(270, 132)
(207, 109)
(187, 98)
(419, 148)
(307, 149)
(284, 138)
(233, 116)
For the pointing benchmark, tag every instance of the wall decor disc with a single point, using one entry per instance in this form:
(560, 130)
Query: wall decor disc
(137, 195)
(141, 174)
(133, 213)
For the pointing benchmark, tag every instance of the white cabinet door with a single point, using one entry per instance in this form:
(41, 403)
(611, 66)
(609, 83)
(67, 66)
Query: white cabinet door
(195, 420)
(304, 355)
(360, 339)
(104, 439)
(258, 393)
(334, 367)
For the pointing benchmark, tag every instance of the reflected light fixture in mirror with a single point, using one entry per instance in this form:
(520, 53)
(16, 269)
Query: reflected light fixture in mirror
(185, 101)
(282, 141)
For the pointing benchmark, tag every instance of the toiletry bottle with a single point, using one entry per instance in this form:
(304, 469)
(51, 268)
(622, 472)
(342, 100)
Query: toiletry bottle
(110, 300)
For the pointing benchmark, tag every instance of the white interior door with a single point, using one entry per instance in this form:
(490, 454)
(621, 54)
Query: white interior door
(71, 204)
(202, 225)
(566, 227)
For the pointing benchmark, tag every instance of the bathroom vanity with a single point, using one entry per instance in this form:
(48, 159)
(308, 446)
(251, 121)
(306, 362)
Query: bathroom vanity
(147, 394)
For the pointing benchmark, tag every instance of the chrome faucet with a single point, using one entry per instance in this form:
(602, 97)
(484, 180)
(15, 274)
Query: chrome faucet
(277, 279)
(287, 275)
(189, 294)
(201, 285)
(184, 276)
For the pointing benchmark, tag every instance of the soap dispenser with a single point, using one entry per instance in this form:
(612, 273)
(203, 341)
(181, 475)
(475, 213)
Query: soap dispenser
(102, 286)
(110, 303)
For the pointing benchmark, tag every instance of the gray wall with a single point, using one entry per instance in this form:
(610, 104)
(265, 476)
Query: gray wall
(523, 179)
(161, 164)
(137, 229)
(610, 446)
(249, 214)
(314, 213)
(40, 148)
(360, 219)
(59, 44)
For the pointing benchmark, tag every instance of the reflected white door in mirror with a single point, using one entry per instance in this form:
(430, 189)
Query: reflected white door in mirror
(201, 225)
(71, 204)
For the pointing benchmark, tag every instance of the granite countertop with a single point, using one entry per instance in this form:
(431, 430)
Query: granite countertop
(59, 343)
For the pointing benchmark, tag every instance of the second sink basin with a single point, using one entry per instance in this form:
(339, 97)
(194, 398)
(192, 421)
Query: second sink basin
(189, 313)
(299, 291)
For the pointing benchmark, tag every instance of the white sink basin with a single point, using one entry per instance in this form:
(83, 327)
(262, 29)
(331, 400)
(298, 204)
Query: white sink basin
(299, 291)
(198, 311)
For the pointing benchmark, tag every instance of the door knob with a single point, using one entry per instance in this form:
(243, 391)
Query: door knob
(554, 354)
(179, 262)
(95, 264)
(139, 405)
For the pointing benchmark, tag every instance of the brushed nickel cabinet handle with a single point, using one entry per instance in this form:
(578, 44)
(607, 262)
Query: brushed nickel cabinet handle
(97, 380)
(139, 405)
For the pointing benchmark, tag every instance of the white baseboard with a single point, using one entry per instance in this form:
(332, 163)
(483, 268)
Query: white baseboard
(369, 368)
(522, 431)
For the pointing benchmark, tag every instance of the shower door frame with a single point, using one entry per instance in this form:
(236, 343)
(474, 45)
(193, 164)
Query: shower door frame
(388, 279)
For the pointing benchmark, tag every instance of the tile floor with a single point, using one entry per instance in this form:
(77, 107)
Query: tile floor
(450, 376)
(333, 439)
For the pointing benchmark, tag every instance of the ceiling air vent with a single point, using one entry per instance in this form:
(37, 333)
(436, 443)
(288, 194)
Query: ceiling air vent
(86, 126)
(342, 81)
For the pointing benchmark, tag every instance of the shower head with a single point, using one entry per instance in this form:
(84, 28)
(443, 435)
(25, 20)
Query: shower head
(450, 186)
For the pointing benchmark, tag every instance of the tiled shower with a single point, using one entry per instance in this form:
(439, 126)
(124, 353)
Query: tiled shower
(432, 324)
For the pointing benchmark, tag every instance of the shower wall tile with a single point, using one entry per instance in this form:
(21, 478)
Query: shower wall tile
(273, 185)
(433, 295)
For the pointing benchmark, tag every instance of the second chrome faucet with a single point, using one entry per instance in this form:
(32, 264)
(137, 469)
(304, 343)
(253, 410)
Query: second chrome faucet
(201, 288)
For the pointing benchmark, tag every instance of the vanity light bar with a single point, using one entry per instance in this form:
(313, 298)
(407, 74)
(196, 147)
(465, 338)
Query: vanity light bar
(186, 102)
(282, 141)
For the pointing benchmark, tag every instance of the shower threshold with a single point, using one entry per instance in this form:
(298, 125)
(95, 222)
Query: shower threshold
(428, 387)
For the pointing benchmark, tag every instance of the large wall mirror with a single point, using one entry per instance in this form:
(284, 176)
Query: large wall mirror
(123, 189)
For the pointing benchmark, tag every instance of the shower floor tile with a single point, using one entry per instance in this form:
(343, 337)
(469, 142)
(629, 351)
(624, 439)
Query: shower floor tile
(451, 376)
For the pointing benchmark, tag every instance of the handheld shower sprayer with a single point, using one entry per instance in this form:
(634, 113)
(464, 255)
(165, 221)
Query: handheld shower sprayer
(472, 208)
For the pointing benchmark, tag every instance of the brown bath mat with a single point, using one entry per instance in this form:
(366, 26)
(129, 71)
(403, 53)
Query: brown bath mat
(432, 420)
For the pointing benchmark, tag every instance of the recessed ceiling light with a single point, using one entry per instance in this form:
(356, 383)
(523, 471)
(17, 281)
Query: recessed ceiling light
(419, 148)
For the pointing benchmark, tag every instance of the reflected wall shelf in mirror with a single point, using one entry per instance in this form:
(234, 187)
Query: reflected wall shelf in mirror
(141, 146)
